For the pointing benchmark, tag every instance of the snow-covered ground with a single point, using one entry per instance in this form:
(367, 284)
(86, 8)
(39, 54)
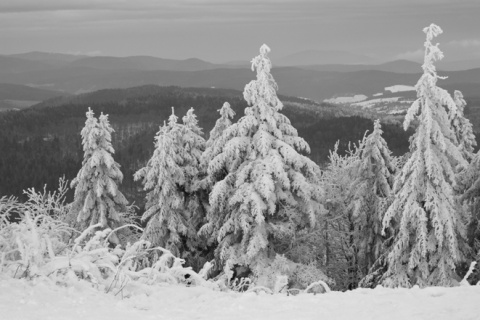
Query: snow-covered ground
(400, 88)
(22, 300)
(371, 103)
(343, 100)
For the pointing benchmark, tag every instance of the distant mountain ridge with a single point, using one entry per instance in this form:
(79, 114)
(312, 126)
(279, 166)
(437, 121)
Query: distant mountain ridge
(322, 57)
(13, 96)
(143, 63)
(315, 82)
(14, 65)
(292, 81)
(57, 59)
(10, 91)
(397, 66)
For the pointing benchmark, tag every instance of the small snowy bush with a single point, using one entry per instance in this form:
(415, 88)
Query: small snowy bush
(8, 207)
(28, 245)
(38, 245)
(305, 274)
(283, 274)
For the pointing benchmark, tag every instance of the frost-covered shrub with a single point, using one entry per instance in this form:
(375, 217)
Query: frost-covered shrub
(282, 274)
(51, 203)
(304, 246)
(8, 207)
(34, 247)
(27, 246)
(120, 270)
(38, 234)
(267, 275)
(337, 224)
(304, 275)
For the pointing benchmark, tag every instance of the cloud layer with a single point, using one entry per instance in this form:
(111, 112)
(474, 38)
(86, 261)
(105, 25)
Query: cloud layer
(233, 29)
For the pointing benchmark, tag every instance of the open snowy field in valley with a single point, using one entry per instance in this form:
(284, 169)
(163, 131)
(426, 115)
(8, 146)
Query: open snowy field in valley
(22, 300)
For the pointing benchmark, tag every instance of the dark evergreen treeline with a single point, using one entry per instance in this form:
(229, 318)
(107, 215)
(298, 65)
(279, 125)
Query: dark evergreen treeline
(40, 144)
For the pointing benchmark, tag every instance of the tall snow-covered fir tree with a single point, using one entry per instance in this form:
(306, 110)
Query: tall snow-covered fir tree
(270, 189)
(97, 198)
(164, 179)
(463, 127)
(193, 146)
(369, 196)
(214, 146)
(430, 233)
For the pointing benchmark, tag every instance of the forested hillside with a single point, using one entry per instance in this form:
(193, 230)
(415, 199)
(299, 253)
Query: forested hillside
(42, 143)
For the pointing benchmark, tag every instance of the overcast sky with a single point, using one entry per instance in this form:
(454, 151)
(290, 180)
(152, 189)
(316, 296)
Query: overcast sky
(225, 30)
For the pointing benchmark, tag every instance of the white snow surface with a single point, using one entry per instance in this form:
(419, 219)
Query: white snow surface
(371, 103)
(356, 98)
(399, 88)
(41, 299)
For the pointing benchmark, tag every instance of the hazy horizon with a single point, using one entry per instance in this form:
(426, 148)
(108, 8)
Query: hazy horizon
(220, 31)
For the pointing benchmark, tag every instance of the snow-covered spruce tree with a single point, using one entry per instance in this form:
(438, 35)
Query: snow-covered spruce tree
(368, 199)
(214, 146)
(97, 198)
(164, 180)
(270, 189)
(430, 233)
(463, 127)
(193, 147)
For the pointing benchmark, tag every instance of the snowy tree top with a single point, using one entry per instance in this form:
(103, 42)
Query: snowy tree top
(426, 86)
(226, 111)
(377, 125)
(432, 52)
(264, 50)
(173, 119)
(190, 120)
(432, 31)
(89, 131)
(264, 88)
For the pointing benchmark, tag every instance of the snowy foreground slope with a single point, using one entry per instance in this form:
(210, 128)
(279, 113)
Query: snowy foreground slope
(20, 300)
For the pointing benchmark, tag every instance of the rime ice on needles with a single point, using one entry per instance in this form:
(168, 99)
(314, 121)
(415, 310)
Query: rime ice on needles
(430, 233)
(268, 185)
(97, 198)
